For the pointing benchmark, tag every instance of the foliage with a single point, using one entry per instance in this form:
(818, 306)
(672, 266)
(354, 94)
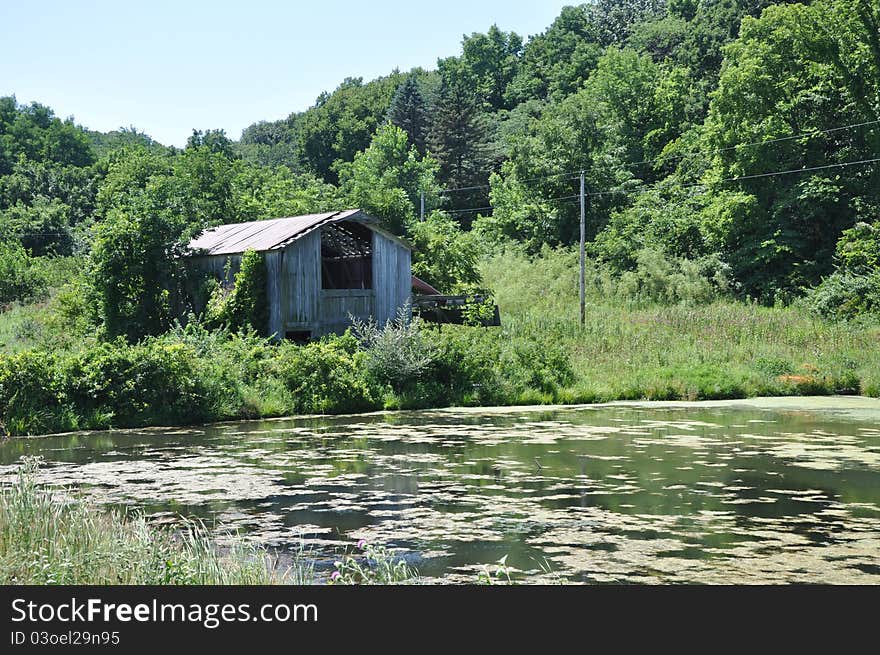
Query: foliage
(408, 111)
(444, 256)
(798, 68)
(459, 137)
(41, 227)
(375, 565)
(327, 376)
(492, 61)
(854, 288)
(136, 270)
(342, 123)
(398, 354)
(20, 278)
(388, 177)
(34, 132)
(846, 295)
(246, 305)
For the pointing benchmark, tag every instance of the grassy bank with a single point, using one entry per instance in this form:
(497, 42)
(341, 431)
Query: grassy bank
(51, 537)
(655, 334)
(48, 539)
(637, 344)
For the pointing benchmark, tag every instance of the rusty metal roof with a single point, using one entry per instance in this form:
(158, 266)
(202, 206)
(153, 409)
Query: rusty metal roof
(272, 234)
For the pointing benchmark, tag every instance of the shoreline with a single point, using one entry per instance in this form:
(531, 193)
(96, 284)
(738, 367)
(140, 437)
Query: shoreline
(838, 403)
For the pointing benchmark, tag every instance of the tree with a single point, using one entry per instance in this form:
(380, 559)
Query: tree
(19, 278)
(342, 123)
(492, 61)
(409, 113)
(42, 227)
(388, 177)
(261, 192)
(136, 270)
(444, 256)
(35, 132)
(797, 69)
(459, 138)
(214, 140)
(271, 143)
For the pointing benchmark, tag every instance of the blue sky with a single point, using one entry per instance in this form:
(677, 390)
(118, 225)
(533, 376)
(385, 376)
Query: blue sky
(169, 67)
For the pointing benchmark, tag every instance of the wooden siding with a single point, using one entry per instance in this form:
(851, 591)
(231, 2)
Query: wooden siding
(301, 282)
(274, 267)
(392, 277)
(216, 266)
(337, 304)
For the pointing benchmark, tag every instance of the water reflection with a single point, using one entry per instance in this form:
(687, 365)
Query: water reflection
(622, 493)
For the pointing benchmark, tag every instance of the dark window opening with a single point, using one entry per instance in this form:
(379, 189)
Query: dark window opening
(346, 256)
(298, 336)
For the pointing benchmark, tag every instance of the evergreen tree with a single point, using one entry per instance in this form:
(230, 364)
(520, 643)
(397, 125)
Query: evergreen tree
(408, 112)
(459, 137)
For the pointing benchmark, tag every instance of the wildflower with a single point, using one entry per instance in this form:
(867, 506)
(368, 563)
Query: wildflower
(362, 544)
(335, 576)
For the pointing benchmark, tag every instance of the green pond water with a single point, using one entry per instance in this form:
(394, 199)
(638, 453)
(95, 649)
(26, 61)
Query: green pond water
(767, 491)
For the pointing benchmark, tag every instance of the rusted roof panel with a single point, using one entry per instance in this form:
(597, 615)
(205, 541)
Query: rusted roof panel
(265, 235)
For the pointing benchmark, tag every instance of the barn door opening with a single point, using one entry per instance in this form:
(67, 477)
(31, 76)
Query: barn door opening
(346, 256)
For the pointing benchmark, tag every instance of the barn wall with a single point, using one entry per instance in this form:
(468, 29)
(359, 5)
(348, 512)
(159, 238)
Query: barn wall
(392, 277)
(337, 304)
(274, 265)
(216, 265)
(301, 282)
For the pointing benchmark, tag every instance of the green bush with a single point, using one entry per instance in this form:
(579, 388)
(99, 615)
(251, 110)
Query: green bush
(20, 277)
(327, 376)
(152, 382)
(660, 278)
(845, 295)
(397, 355)
(245, 305)
(31, 396)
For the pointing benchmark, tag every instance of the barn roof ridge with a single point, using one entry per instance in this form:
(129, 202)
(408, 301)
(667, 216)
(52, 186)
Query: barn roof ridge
(275, 233)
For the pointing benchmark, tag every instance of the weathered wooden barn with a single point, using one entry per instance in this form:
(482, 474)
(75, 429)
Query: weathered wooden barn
(320, 268)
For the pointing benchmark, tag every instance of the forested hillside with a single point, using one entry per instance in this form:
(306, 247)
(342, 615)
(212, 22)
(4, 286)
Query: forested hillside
(730, 150)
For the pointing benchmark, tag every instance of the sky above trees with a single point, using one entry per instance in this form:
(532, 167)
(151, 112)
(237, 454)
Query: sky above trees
(170, 67)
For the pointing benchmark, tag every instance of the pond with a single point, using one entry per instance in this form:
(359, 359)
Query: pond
(765, 491)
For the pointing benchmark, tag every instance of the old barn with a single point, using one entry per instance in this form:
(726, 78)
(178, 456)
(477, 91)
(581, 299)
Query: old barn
(321, 268)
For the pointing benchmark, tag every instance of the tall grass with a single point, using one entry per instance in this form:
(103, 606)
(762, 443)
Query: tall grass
(47, 539)
(632, 347)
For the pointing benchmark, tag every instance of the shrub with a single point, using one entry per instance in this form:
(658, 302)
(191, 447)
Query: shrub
(397, 355)
(155, 381)
(663, 279)
(246, 305)
(327, 376)
(31, 400)
(845, 295)
(20, 278)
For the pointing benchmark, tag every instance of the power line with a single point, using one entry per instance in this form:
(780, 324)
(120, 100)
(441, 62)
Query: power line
(574, 174)
(756, 175)
(698, 184)
(476, 209)
(571, 174)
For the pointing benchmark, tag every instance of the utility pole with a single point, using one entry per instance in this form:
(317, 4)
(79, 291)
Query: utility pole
(422, 213)
(583, 241)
